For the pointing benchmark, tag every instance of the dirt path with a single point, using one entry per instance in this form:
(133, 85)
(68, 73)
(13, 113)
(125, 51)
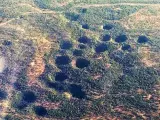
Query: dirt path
(64, 3)
(35, 10)
(26, 13)
(127, 4)
(4, 23)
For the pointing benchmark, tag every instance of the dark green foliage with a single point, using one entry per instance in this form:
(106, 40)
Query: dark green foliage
(21, 105)
(97, 66)
(102, 84)
(21, 83)
(124, 90)
(72, 16)
(130, 60)
(55, 98)
(117, 56)
(44, 4)
(70, 110)
(17, 102)
(145, 77)
(97, 15)
(135, 101)
(127, 60)
(77, 52)
(73, 73)
(10, 117)
(111, 47)
(100, 106)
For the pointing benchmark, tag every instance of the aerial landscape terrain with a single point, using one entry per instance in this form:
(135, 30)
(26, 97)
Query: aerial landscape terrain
(79, 59)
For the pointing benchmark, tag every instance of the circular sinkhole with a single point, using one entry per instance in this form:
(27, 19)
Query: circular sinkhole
(29, 97)
(85, 26)
(101, 48)
(60, 76)
(77, 52)
(106, 38)
(82, 63)
(84, 40)
(107, 27)
(18, 86)
(84, 10)
(82, 46)
(66, 45)
(126, 47)
(3, 95)
(21, 105)
(142, 39)
(121, 38)
(76, 91)
(62, 60)
(40, 111)
(7, 43)
(57, 86)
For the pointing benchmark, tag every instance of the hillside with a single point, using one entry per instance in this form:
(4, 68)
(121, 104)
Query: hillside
(79, 59)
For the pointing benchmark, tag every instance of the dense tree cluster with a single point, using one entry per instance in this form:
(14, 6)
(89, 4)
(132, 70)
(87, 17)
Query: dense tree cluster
(74, 109)
(124, 91)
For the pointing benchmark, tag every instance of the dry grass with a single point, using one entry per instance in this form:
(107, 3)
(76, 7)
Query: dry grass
(149, 58)
(146, 18)
(37, 65)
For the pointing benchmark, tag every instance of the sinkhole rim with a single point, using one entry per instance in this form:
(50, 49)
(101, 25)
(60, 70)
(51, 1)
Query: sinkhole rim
(106, 38)
(66, 45)
(142, 39)
(84, 40)
(100, 48)
(63, 60)
(29, 96)
(40, 110)
(107, 27)
(61, 76)
(82, 63)
(121, 38)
